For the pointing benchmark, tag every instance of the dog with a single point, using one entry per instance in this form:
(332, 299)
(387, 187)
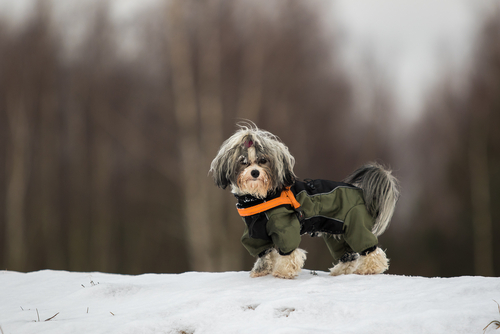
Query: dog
(278, 209)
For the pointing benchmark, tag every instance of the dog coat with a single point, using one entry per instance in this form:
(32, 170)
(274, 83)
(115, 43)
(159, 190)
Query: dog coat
(334, 209)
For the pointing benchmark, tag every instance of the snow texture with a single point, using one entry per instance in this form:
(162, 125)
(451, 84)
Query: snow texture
(232, 302)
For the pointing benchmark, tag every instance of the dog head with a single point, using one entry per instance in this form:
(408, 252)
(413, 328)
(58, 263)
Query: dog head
(254, 162)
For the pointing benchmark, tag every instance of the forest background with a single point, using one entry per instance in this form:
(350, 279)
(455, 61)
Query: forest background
(107, 132)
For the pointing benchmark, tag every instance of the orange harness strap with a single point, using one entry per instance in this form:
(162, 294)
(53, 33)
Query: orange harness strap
(286, 197)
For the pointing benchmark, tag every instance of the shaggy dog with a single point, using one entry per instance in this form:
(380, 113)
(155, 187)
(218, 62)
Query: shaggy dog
(277, 208)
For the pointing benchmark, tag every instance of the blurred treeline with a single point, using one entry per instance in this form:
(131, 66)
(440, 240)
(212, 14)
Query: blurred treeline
(105, 151)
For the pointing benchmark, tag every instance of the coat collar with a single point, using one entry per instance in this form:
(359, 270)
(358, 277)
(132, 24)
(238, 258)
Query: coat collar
(249, 205)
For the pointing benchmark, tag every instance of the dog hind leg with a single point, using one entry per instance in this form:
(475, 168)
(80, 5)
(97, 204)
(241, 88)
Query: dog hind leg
(289, 266)
(347, 265)
(372, 263)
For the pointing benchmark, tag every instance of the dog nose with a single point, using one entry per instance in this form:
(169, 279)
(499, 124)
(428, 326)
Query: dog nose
(255, 173)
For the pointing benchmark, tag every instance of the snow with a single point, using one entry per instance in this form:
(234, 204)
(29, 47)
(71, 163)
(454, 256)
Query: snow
(232, 302)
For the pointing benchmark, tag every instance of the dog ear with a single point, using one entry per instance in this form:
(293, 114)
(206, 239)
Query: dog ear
(219, 170)
(289, 176)
(221, 182)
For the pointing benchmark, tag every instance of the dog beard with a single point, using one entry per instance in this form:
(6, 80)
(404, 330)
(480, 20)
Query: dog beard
(255, 186)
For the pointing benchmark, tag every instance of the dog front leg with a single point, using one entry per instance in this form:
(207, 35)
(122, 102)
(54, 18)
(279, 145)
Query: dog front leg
(264, 264)
(289, 266)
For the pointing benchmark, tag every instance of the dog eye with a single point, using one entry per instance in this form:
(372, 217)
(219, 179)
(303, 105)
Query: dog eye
(263, 161)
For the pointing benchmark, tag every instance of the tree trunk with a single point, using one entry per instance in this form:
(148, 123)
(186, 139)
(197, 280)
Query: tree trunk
(480, 196)
(197, 223)
(78, 225)
(49, 173)
(103, 236)
(227, 256)
(250, 93)
(17, 183)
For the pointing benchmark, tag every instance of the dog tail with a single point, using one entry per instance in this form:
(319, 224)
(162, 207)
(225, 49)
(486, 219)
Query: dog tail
(380, 190)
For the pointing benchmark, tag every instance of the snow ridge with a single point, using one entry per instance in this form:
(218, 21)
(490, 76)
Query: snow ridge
(231, 302)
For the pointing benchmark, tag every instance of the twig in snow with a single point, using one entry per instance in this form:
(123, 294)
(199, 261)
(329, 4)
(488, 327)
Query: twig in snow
(111, 313)
(92, 283)
(494, 322)
(38, 316)
(52, 317)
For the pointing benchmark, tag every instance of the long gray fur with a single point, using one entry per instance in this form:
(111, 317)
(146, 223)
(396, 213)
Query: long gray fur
(381, 192)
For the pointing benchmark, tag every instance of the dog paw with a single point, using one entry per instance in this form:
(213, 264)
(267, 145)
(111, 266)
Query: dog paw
(344, 268)
(284, 275)
(373, 263)
(255, 274)
(264, 264)
(289, 266)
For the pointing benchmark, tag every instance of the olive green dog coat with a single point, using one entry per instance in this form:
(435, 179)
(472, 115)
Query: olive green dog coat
(336, 210)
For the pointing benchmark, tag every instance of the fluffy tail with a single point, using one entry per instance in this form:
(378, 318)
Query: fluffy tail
(381, 192)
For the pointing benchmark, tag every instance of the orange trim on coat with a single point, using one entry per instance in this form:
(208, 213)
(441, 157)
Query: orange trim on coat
(286, 197)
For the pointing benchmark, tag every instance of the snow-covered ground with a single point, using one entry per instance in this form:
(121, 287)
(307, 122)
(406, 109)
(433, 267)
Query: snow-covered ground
(231, 302)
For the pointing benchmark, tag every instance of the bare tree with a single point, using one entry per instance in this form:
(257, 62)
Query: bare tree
(483, 102)
(456, 211)
(197, 221)
(17, 182)
(107, 156)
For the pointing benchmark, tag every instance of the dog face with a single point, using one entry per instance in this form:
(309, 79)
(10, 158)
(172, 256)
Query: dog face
(253, 162)
(254, 172)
